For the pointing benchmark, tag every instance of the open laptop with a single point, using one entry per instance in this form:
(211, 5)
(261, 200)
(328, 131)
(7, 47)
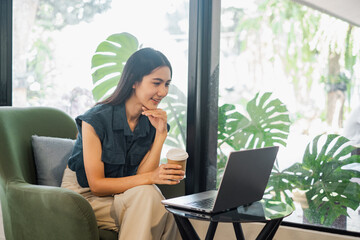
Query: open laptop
(245, 178)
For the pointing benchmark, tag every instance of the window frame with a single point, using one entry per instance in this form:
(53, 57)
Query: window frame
(203, 84)
(6, 52)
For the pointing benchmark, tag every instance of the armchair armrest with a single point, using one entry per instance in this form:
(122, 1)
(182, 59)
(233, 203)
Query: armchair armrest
(43, 212)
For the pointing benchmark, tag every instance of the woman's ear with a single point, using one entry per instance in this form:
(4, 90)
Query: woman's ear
(135, 85)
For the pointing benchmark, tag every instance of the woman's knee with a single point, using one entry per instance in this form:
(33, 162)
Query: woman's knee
(146, 191)
(140, 195)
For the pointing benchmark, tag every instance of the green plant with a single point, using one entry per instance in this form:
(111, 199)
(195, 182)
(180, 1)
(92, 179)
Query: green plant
(175, 105)
(268, 124)
(325, 177)
(281, 183)
(108, 62)
(327, 181)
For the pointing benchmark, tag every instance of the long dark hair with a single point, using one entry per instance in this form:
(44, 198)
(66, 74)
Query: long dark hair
(140, 64)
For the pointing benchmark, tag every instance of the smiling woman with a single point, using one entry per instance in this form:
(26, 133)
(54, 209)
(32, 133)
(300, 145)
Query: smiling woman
(153, 88)
(116, 156)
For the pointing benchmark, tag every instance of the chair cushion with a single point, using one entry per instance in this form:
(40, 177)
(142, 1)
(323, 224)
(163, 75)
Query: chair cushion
(51, 155)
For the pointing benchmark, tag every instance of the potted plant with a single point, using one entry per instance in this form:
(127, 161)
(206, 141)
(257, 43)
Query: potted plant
(326, 178)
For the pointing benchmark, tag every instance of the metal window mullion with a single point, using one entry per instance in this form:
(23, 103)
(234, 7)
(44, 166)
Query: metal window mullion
(5, 52)
(204, 44)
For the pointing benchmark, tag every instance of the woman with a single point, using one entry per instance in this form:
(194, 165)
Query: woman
(115, 161)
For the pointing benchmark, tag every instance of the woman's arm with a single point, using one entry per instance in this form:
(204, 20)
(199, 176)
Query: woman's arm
(152, 158)
(158, 118)
(101, 186)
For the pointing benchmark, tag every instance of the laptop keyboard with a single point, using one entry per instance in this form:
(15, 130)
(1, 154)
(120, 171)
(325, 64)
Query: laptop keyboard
(205, 203)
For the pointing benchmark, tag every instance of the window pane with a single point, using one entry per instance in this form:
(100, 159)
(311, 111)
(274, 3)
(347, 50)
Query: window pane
(289, 76)
(54, 41)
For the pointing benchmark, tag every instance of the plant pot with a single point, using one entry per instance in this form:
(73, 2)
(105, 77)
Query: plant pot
(339, 223)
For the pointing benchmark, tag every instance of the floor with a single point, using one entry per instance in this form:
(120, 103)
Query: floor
(251, 230)
(225, 231)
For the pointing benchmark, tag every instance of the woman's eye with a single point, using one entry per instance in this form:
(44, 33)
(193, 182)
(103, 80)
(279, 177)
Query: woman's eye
(156, 83)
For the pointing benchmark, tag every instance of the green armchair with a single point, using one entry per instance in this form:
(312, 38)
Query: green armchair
(31, 211)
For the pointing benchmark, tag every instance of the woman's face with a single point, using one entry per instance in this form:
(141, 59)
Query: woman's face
(153, 87)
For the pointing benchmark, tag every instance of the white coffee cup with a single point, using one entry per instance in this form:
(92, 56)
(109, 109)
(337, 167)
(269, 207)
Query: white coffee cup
(177, 156)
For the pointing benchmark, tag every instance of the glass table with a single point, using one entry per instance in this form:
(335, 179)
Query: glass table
(268, 211)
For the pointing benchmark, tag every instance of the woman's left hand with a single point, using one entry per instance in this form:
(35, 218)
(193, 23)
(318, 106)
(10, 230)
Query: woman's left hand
(158, 118)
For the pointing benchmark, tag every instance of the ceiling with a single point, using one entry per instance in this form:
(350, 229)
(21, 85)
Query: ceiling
(347, 10)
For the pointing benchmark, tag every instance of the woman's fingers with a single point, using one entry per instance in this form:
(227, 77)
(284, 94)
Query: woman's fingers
(172, 169)
(172, 174)
(157, 118)
(169, 174)
(171, 178)
(170, 182)
(171, 166)
(158, 113)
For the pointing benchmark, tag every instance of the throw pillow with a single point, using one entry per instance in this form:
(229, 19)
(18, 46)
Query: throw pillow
(51, 155)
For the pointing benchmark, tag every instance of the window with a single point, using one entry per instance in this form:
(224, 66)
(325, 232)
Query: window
(289, 76)
(264, 49)
(53, 44)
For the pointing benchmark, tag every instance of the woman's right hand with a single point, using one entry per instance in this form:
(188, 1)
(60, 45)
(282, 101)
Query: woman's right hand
(170, 174)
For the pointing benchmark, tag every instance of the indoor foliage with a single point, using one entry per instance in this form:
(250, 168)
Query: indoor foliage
(175, 106)
(267, 124)
(324, 176)
(108, 62)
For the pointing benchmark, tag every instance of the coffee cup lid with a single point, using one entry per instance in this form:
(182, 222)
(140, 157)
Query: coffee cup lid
(177, 154)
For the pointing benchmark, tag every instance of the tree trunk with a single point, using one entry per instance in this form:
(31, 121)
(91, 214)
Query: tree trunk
(335, 108)
(336, 93)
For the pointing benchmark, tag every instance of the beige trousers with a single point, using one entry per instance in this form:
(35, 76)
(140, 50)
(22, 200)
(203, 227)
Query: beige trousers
(136, 213)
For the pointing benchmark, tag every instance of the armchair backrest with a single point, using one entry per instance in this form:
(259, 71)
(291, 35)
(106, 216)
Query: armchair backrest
(17, 125)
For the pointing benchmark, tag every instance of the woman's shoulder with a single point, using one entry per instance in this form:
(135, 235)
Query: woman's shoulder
(99, 110)
(99, 117)
(101, 113)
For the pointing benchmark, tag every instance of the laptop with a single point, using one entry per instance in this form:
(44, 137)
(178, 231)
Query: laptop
(244, 181)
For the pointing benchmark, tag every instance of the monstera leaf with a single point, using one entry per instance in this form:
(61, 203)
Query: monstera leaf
(108, 62)
(268, 124)
(175, 106)
(230, 123)
(282, 182)
(328, 180)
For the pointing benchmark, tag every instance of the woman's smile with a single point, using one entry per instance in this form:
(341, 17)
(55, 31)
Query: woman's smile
(156, 101)
(153, 87)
